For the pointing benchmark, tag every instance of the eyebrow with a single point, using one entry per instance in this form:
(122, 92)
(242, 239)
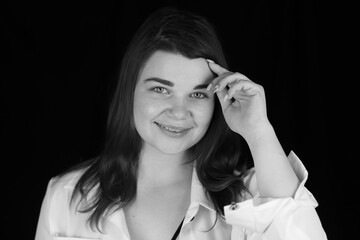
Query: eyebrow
(171, 84)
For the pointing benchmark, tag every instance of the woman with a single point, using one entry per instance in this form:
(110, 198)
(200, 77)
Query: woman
(179, 132)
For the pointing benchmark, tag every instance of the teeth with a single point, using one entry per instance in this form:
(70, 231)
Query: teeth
(170, 129)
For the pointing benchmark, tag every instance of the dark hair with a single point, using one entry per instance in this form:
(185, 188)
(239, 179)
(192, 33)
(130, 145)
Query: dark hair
(113, 175)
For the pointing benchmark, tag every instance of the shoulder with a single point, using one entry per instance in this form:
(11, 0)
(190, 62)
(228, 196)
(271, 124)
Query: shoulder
(59, 211)
(60, 188)
(66, 180)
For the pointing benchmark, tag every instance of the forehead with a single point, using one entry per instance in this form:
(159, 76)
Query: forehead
(176, 68)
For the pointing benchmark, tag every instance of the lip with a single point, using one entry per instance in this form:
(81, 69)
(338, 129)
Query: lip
(173, 130)
(172, 127)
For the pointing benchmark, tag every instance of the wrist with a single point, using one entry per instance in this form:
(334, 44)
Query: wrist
(263, 132)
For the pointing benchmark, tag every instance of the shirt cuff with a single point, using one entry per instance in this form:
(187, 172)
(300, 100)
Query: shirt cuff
(256, 214)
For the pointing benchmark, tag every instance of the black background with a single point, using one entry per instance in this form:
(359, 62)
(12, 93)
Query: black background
(60, 62)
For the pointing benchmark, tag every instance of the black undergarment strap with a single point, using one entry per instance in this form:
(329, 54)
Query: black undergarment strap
(177, 231)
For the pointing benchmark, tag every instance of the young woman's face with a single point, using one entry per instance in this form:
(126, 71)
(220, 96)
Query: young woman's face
(172, 109)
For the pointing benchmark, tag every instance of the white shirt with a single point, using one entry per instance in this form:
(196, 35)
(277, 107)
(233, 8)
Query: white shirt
(252, 218)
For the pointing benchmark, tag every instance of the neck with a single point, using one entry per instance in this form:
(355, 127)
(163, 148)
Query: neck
(159, 171)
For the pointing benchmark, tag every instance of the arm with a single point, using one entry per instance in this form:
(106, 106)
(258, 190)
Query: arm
(244, 108)
(282, 208)
(292, 218)
(275, 177)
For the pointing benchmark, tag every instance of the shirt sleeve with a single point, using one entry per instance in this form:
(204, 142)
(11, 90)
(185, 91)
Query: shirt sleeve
(43, 226)
(276, 218)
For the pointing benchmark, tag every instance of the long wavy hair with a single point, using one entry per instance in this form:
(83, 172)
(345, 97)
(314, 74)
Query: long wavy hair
(111, 178)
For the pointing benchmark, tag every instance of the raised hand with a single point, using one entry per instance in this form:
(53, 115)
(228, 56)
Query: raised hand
(243, 101)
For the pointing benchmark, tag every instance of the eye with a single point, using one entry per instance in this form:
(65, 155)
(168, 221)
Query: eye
(198, 95)
(160, 90)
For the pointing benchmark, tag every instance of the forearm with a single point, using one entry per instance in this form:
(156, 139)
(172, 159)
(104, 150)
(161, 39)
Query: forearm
(275, 176)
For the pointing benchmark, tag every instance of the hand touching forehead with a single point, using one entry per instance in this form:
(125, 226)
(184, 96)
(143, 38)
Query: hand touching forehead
(178, 71)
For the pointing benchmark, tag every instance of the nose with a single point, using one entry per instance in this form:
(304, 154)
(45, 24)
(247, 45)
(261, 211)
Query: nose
(179, 109)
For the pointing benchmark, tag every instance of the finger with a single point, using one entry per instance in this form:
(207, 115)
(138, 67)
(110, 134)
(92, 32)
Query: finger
(214, 85)
(243, 89)
(221, 96)
(230, 80)
(220, 71)
(216, 68)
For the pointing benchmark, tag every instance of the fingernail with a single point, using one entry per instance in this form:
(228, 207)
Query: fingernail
(210, 61)
(226, 98)
(216, 88)
(209, 87)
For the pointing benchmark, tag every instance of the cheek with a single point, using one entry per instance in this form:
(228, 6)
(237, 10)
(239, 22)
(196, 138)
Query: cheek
(140, 109)
(205, 113)
(143, 109)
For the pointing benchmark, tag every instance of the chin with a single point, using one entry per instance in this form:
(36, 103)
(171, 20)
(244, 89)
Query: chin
(173, 147)
(172, 150)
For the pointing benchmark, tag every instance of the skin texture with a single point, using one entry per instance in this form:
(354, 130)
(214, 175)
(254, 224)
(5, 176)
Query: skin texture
(177, 106)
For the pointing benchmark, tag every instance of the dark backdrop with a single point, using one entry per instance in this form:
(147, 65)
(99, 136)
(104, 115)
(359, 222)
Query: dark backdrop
(60, 62)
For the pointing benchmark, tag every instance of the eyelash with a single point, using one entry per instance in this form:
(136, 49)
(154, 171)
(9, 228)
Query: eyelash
(156, 89)
(161, 90)
(202, 95)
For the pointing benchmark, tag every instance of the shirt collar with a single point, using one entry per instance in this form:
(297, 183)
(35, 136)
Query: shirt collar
(198, 196)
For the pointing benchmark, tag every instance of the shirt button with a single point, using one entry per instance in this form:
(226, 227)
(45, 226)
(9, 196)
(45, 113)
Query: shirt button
(233, 206)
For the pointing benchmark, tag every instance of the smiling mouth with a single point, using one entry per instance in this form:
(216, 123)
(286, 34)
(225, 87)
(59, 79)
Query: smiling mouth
(172, 129)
